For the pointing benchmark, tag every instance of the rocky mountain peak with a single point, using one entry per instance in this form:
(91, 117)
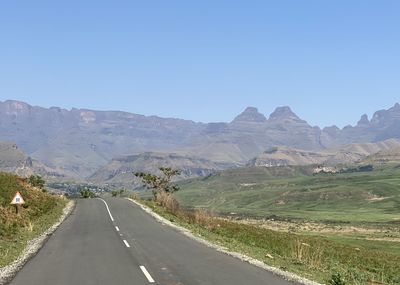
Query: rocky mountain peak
(364, 121)
(250, 114)
(14, 107)
(283, 113)
(396, 107)
(384, 117)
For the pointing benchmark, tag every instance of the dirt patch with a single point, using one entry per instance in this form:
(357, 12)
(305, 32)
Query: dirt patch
(247, 184)
(384, 233)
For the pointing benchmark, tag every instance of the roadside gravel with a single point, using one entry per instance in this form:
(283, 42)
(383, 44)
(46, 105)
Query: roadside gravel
(284, 274)
(32, 247)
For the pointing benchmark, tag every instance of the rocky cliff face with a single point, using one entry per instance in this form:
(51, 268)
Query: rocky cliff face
(78, 142)
(384, 124)
(13, 160)
(353, 153)
(251, 133)
(251, 114)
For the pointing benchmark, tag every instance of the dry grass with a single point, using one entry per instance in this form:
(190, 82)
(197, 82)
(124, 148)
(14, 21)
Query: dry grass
(305, 254)
(168, 202)
(310, 256)
(39, 212)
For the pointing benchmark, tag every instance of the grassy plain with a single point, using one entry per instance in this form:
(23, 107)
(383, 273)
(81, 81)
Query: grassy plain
(314, 225)
(314, 257)
(294, 193)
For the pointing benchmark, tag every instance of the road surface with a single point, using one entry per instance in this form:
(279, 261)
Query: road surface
(114, 242)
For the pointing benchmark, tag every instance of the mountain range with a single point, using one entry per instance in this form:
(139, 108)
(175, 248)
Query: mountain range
(82, 143)
(347, 154)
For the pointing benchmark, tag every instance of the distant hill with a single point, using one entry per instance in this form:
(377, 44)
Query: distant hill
(388, 156)
(119, 172)
(14, 160)
(78, 142)
(284, 156)
(294, 192)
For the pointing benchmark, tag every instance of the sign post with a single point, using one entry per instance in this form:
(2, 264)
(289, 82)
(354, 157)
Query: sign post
(17, 200)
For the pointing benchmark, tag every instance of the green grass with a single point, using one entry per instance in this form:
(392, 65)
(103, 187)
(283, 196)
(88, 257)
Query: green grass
(312, 257)
(40, 211)
(384, 246)
(293, 192)
(363, 199)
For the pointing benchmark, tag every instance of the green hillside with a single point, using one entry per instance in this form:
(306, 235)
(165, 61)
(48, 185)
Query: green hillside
(38, 213)
(294, 192)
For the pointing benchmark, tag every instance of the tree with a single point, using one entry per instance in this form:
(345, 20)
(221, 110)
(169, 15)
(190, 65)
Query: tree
(159, 184)
(116, 193)
(86, 193)
(36, 181)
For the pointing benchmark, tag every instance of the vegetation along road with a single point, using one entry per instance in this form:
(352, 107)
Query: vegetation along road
(113, 241)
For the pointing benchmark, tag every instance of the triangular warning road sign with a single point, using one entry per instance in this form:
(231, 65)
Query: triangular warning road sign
(17, 200)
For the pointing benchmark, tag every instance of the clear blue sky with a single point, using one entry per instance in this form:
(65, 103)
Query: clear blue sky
(331, 61)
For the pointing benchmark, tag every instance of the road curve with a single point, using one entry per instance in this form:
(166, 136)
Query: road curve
(115, 242)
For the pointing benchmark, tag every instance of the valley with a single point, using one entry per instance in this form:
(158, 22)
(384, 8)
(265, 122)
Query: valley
(200, 142)
(295, 192)
(275, 189)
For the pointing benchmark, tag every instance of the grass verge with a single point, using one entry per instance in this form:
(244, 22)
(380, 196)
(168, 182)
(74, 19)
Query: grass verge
(313, 257)
(39, 213)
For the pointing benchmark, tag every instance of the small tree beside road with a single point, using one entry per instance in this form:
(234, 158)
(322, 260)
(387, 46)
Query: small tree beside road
(162, 187)
(159, 184)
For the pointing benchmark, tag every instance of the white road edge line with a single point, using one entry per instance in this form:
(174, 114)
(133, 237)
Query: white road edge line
(117, 228)
(147, 274)
(126, 243)
(108, 210)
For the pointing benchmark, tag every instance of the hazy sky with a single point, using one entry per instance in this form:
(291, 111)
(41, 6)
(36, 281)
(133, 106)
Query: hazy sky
(331, 61)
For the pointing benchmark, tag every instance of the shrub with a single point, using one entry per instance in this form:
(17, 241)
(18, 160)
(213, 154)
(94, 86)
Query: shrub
(336, 279)
(85, 193)
(36, 181)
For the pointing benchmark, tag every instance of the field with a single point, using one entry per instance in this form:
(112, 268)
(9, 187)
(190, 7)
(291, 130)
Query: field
(294, 193)
(346, 223)
(40, 211)
(314, 257)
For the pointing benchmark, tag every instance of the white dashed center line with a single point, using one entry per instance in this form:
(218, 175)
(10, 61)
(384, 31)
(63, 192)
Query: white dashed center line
(147, 274)
(108, 210)
(144, 270)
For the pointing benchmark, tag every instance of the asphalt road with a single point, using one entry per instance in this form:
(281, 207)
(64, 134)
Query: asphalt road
(115, 242)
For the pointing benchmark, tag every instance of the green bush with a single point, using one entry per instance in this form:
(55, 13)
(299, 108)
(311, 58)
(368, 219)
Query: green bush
(36, 181)
(86, 193)
(336, 279)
